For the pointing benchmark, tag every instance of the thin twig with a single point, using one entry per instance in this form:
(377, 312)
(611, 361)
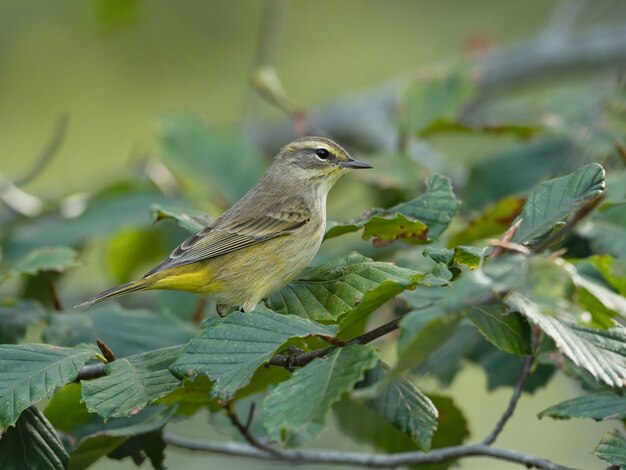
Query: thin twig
(309, 456)
(48, 153)
(284, 360)
(507, 237)
(244, 430)
(517, 393)
(54, 296)
(198, 312)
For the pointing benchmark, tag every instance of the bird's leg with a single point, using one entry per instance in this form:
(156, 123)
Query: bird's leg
(292, 352)
(221, 309)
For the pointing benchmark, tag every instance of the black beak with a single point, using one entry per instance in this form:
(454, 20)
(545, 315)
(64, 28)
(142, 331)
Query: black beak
(355, 164)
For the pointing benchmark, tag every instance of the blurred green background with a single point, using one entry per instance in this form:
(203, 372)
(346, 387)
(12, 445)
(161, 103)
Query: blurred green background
(114, 79)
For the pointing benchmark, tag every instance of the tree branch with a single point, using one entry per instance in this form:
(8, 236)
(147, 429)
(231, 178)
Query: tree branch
(517, 393)
(366, 120)
(309, 456)
(284, 360)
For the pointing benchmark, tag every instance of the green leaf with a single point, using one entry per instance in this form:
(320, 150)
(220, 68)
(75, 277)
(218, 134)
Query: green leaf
(190, 219)
(32, 445)
(436, 98)
(49, 258)
(363, 424)
(613, 270)
(524, 164)
(422, 333)
(125, 331)
(230, 350)
(88, 437)
(556, 199)
(506, 330)
(494, 220)
(30, 372)
(334, 290)
(522, 131)
(295, 411)
(598, 406)
(132, 383)
(214, 164)
(149, 445)
(402, 404)
(601, 352)
(612, 449)
(386, 230)
(420, 220)
(469, 256)
(606, 230)
(452, 427)
(16, 320)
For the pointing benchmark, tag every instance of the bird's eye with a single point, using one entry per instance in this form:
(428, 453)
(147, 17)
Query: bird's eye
(322, 154)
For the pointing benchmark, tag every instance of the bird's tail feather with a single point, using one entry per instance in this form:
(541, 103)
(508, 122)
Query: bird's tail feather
(115, 291)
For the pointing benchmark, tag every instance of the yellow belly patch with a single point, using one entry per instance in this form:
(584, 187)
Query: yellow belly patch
(191, 277)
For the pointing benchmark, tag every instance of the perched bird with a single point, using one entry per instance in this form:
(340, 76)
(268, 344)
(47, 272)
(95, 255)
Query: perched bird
(263, 241)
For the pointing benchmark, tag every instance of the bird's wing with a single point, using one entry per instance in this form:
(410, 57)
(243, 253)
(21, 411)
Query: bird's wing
(221, 238)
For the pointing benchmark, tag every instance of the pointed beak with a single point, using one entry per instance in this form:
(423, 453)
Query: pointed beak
(355, 164)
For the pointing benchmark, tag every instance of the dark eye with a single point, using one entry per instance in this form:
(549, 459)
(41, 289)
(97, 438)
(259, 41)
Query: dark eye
(322, 153)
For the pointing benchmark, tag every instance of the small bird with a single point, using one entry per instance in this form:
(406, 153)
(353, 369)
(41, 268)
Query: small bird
(263, 241)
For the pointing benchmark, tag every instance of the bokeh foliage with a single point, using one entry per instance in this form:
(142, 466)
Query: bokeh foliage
(559, 297)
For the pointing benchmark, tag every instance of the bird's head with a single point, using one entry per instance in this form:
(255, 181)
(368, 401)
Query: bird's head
(316, 159)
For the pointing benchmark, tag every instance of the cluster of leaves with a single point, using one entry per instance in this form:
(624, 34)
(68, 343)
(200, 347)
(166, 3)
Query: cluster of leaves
(451, 296)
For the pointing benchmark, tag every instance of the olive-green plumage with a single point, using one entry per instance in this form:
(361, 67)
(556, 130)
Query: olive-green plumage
(263, 241)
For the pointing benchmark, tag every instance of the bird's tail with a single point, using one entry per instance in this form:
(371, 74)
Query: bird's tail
(115, 291)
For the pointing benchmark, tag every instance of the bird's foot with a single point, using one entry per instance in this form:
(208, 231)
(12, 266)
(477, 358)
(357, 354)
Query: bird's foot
(292, 352)
(221, 309)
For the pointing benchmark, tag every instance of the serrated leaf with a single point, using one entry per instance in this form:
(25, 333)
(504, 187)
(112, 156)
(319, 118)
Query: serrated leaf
(48, 258)
(330, 291)
(190, 219)
(597, 406)
(601, 352)
(422, 219)
(132, 383)
(556, 199)
(493, 220)
(230, 350)
(506, 330)
(30, 372)
(295, 411)
(88, 437)
(32, 445)
(213, 164)
(403, 405)
(612, 449)
(123, 330)
(15, 320)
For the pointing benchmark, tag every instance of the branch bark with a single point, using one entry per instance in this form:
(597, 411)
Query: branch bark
(310, 456)
(367, 120)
